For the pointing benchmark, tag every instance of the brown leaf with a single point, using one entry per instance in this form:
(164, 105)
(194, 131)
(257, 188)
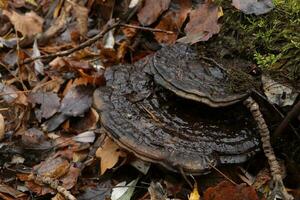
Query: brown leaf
(34, 138)
(227, 191)
(203, 23)
(81, 14)
(70, 179)
(53, 168)
(253, 6)
(77, 101)
(11, 94)
(151, 10)
(2, 127)
(109, 154)
(88, 122)
(11, 191)
(29, 24)
(172, 20)
(49, 104)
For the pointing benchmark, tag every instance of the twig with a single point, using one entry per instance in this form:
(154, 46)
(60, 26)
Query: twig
(289, 117)
(54, 184)
(224, 175)
(70, 51)
(146, 28)
(275, 168)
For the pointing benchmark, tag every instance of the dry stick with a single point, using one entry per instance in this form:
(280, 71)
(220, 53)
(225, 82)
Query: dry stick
(81, 46)
(263, 130)
(289, 117)
(147, 28)
(54, 184)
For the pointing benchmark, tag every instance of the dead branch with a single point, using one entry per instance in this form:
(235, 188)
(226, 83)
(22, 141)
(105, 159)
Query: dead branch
(275, 168)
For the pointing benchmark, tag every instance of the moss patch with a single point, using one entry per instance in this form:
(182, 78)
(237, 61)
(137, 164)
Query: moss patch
(272, 41)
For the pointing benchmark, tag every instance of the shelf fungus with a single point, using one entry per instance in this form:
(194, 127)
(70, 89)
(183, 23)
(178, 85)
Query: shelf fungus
(173, 109)
(162, 127)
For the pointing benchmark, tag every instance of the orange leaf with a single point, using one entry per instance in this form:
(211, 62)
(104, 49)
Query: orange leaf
(109, 154)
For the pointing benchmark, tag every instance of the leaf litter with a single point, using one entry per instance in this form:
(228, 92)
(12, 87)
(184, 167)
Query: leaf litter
(48, 68)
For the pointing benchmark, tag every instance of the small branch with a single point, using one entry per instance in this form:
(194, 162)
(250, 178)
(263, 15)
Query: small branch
(79, 47)
(54, 184)
(289, 117)
(147, 28)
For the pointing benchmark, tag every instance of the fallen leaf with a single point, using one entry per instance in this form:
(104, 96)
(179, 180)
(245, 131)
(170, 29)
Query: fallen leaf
(76, 102)
(151, 10)
(70, 179)
(101, 190)
(81, 15)
(49, 104)
(53, 168)
(33, 137)
(29, 24)
(12, 95)
(88, 122)
(38, 65)
(156, 191)
(123, 191)
(203, 23)
(141, 165)
(257, 7)
(277, 93)
(194, 194)
(227, 191)
(8, 93)
(172, 20)
(109, 154)
(85, 137)
(11, 191)
(2, 127)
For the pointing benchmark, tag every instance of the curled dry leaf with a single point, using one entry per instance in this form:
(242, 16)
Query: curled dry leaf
(109, 154)
(203, 23)
(48, 101)
(151, 10)
(172, 20)
(253, 6)
(2, 127)
(277, 93)
(29, 24)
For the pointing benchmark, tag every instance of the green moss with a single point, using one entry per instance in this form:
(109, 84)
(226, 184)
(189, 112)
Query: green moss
(272, 40)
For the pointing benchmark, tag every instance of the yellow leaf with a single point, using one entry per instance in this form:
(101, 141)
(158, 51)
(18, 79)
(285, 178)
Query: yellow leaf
(220, 12)
(194, 194)
(109, 154)
(32, 2)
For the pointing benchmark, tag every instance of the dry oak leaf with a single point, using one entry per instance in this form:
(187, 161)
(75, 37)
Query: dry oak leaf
(203, 23)
(28, 24)
(109, 153)
(151, 10)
